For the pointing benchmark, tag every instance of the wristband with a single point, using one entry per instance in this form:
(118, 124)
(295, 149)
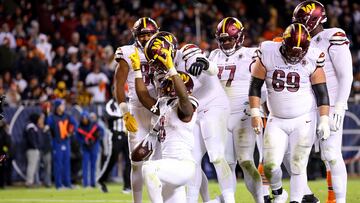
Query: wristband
(255, 112)
(123, 107)
(324, 119)
(172, 72)
(138, 74)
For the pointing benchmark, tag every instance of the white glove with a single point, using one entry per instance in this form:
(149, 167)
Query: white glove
(256, 121)
(323, 129)
(338, 116)
(151, 139)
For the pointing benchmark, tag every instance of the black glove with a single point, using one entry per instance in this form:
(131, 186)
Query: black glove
(197, 67)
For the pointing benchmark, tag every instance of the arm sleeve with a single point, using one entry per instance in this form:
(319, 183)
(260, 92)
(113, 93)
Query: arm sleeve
(341, 58)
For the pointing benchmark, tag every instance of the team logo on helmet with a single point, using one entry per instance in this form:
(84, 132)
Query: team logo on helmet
(310, 13)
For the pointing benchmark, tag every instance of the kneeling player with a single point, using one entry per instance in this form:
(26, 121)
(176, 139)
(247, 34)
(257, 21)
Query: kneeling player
(292, 71)
(174, 128)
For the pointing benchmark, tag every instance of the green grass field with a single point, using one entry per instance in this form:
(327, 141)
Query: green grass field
(21, 194)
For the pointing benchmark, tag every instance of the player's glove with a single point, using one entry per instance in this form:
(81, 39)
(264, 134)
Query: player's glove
(168, 60)
(197, 67)
(256, 121)
(323, 129)
(338, 116)
(135, 60)
(130, 122)
(150, 140)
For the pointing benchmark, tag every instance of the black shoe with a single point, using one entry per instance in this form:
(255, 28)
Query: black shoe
(267, 199)
(310, 199)
(103, 187)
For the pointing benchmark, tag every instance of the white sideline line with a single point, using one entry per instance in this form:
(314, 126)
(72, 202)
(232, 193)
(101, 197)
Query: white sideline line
(63, 200)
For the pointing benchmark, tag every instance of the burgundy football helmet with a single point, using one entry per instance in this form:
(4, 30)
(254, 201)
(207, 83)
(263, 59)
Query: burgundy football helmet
(168, 41)
(229, 35)
(143, 26)
(167, 86)
(310, 13)
(295, 44)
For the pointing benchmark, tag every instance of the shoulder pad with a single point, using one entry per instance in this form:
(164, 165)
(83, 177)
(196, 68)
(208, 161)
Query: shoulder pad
(213, 54)
(119, 54)
(338, 38)
(320, 61)
(189, 50)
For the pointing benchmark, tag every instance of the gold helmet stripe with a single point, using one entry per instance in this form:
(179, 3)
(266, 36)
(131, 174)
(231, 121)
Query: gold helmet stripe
(144, 21)
(224, 23)
(299, 37)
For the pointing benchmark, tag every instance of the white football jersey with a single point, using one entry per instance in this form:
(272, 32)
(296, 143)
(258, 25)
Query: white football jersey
(207, 88)
(289, 91)
(234, 75)
(124, 53)
(338, 63)
(179, 139)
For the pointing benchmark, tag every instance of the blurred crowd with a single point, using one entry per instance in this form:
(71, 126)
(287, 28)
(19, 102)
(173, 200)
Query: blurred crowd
(64, 49)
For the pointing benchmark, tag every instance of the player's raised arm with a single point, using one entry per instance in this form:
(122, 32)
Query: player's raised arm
(186, 109)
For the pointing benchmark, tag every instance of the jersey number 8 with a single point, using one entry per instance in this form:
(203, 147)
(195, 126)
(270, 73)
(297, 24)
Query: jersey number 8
(292, 81)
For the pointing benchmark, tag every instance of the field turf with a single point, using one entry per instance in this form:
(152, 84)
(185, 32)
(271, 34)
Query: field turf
(79, 194)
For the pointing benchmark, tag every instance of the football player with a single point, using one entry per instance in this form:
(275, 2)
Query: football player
(233, 61)
(296, 84)
(136, 117)
(210, 129)
(174, 128)
(338, 71)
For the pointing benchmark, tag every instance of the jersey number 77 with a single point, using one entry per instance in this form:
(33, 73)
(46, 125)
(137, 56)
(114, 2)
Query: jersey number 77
(232, 69)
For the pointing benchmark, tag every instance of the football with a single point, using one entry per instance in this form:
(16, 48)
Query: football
(140, 153)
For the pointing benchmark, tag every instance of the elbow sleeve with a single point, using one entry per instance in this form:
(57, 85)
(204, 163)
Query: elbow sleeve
(255, 86)
(321, 94)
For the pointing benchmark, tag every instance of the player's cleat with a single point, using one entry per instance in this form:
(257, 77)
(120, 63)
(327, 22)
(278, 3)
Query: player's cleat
(281, 198)
(126, 191)
(310, 199)
(103, 187)
(267, 199)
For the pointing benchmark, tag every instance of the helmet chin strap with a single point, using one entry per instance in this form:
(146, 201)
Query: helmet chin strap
(229, 52)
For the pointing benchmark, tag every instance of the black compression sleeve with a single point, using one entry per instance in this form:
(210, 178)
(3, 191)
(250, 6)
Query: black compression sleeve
(321, 94)
(255, 86)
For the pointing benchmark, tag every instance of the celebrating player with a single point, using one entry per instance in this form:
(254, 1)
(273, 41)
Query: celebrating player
(338, 71)
(210, 130)
(292, 71)
(134, 114)
(233, 61)
(174, 128)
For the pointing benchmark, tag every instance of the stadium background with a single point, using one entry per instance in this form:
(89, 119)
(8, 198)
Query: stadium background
(37, 39)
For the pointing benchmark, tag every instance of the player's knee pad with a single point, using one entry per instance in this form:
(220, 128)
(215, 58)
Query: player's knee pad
(269, 168)
(251, 169)
(330, 155)
(298, 161)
